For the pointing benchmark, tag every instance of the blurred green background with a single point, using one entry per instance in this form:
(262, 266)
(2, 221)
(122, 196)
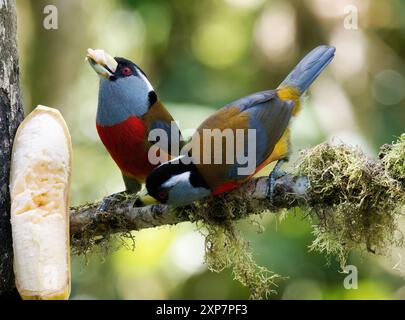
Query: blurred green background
(200, 55)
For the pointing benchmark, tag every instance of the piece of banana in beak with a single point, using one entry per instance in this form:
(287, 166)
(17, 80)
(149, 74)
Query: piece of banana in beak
(40, 193)
(103, 63)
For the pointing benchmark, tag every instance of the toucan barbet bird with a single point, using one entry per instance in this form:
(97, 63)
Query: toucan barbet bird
(268, 113)
(128, 109)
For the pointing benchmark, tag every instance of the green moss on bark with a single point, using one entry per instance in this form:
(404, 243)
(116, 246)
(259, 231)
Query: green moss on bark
(355, 201)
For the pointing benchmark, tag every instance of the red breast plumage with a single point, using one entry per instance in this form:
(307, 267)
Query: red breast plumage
(126, 144)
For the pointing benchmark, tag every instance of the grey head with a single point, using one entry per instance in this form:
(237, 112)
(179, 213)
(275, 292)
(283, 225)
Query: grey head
(124, 89)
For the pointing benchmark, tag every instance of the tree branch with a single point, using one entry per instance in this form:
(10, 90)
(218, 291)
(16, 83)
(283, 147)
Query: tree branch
(337, 183)
(124, 216)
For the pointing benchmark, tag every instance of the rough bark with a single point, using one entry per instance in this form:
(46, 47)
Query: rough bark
(124, 216)
(11, 114)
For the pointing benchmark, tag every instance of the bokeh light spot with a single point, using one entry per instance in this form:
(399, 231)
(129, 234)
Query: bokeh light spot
(275, 32)
(304, 289)
(351, 49)
(389, 87)
(188, 252)
(245, 4)
(219, 44)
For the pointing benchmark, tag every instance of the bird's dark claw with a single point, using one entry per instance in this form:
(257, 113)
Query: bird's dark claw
(275, 174)
(107, 201)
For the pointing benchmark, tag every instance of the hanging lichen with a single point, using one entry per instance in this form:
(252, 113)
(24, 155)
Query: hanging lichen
(225, 247)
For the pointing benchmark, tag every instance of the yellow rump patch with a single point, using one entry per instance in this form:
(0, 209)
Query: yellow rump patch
(290, 93)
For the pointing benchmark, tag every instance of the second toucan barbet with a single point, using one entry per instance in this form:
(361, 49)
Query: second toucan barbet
(268, 113)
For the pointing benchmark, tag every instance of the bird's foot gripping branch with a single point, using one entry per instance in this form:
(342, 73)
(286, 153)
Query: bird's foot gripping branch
(354, 202)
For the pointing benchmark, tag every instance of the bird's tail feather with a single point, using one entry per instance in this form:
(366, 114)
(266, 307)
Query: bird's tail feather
(309, 68)
(305, 72)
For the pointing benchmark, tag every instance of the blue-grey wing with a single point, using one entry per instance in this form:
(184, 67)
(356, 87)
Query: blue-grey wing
(253, 99)
(269, 120)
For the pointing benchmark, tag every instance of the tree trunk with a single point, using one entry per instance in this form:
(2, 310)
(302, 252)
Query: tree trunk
(11, 114)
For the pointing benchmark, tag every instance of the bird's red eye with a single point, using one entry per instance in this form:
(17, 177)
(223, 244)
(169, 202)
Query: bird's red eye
(126, 71)
(162, 194)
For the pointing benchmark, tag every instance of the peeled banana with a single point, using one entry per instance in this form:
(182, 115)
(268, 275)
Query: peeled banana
(40, 179)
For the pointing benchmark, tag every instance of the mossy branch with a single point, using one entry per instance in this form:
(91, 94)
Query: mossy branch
(326, 178)
(354, 202)
(124, 216)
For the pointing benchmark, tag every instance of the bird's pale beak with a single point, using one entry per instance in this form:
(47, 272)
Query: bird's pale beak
(104, 64)
(148, 200)
(145, 199)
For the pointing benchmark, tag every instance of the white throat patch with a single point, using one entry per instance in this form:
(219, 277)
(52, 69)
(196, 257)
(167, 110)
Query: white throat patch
(184, 177)
(148, 84)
